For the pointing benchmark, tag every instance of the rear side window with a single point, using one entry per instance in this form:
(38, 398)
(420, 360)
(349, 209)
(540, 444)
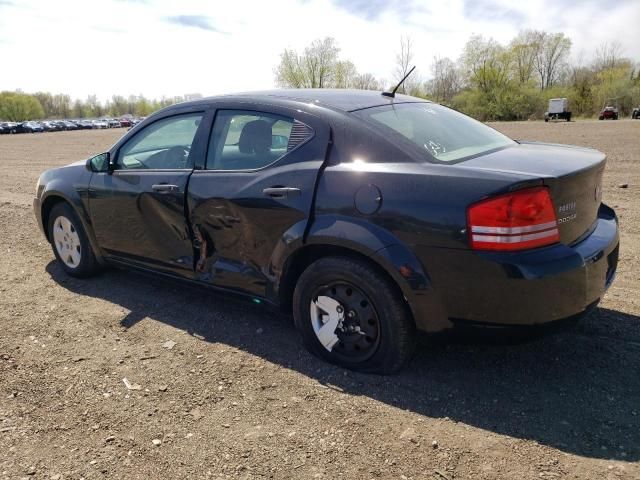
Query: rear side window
(444, 134)
(244, 140)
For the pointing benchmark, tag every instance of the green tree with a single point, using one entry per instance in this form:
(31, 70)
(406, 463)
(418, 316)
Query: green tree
(319, 66)
(78, 109)
(18, 107)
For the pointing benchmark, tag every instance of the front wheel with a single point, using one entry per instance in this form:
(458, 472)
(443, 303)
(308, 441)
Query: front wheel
(70, 243)
(351, 315)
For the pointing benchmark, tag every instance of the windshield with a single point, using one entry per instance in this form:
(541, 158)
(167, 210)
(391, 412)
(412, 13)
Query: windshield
(443, 133)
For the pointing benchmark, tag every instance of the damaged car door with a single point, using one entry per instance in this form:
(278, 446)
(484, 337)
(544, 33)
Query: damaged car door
(138, 206)
(257, 188)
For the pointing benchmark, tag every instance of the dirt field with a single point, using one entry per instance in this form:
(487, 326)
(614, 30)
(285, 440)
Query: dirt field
(237, 396)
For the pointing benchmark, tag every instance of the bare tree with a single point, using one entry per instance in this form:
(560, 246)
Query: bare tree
(551, 57)
(404, 59)
(608, 56)
(366, 81)
(446, 80)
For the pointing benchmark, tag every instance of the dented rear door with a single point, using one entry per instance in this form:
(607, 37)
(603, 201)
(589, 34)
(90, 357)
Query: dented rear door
(239, 215)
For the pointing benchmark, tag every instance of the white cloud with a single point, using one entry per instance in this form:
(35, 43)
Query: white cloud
(162, 47)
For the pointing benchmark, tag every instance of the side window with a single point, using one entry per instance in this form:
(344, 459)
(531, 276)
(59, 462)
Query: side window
(243, 140)
(165, 144)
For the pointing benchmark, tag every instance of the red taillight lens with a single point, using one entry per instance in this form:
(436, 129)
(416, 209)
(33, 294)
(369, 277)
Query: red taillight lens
(515, 221)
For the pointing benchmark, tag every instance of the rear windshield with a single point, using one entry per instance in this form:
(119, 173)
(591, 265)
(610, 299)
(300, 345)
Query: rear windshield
(445, 134)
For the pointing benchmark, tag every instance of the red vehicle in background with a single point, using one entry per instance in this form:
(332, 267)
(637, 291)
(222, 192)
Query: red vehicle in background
(609, 110)
(608, 113)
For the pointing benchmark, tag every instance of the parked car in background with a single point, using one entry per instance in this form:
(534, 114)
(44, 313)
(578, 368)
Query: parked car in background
(8, 127)
(100, 123)
(50, 126)
(85, 124)
(29, 127)
(125, 122)
(368, 216)
(609, 109)
(636, 113)
(69, 125)
(608, 113)
(558, 110)
(114, 123)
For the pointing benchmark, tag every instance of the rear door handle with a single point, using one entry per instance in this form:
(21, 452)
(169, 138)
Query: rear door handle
(165, 187)
(282, 192)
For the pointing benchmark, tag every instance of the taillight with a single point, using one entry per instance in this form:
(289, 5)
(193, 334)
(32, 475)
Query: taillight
(514, 221)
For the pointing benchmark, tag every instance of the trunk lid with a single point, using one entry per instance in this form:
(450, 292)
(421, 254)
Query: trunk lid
(573, 174)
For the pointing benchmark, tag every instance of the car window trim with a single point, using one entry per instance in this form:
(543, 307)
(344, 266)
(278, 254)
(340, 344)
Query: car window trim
(138, 171)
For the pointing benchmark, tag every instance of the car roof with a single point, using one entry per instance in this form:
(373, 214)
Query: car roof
(339, 99)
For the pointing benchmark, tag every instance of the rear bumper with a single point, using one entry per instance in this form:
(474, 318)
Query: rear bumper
(527, 288)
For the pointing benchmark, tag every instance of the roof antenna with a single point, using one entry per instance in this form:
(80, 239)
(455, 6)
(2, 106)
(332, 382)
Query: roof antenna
(392, 94)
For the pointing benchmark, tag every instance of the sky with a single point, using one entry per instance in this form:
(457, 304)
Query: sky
(168, 48)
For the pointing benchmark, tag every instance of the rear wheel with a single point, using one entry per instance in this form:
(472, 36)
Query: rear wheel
(69, 242)
(349, 314)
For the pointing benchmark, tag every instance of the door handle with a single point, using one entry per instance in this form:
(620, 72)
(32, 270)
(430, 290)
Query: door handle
(165, 187)
(282, 192)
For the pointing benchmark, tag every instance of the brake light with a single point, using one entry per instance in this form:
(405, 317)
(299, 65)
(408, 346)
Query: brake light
(514, 221)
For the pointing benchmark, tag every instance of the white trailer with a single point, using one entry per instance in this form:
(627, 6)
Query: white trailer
(558, 110)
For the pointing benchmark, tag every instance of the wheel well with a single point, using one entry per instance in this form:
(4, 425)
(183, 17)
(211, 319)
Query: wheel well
(300, 260)
(47, 206)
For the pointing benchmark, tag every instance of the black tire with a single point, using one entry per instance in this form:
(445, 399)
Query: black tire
(87, 265)
(393, 339)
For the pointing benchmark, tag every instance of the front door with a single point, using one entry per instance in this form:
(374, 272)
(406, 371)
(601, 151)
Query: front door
(138, 210)
(256, 189)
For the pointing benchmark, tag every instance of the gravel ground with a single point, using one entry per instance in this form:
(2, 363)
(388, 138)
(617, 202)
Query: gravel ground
(220, 388)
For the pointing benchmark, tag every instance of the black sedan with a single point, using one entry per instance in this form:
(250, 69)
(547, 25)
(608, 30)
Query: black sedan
(29, 127)
(8, 127)
(366, 215)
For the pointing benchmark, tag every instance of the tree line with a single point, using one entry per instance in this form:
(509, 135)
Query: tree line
(489, 81)
(19, 106)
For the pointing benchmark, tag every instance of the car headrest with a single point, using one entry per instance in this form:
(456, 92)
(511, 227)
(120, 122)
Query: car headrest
(255, 137)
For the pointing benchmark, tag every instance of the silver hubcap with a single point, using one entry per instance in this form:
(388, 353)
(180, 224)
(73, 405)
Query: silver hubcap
(326, 315)
(67, 241)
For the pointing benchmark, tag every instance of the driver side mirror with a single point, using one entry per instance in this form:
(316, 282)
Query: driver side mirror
(99, 163)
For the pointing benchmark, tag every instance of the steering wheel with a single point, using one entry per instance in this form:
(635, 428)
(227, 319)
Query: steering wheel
(178, 155)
